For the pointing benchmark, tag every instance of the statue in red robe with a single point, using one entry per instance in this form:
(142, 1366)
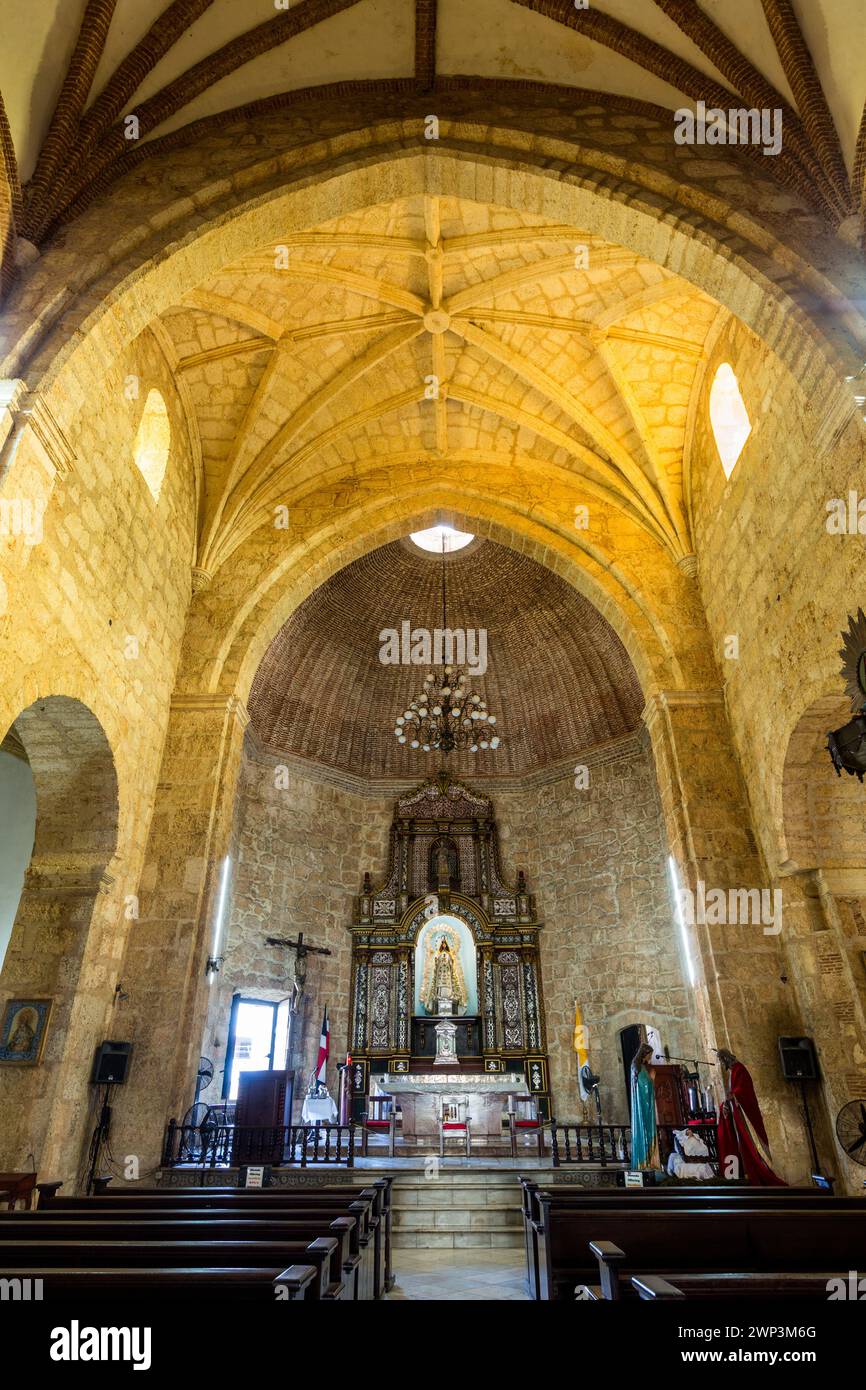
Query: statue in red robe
(742, 1135)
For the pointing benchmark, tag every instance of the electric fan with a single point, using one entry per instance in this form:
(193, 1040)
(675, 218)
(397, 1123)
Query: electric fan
(851, 1130)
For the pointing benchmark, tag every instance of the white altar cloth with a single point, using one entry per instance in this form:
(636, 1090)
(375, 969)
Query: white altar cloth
(318, 1109)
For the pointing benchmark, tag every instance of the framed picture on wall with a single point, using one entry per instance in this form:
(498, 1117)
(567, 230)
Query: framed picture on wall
(23, 1029)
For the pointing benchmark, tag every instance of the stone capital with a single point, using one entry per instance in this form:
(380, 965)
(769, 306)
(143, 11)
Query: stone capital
(201, 579)
(67, 876)
(207, 702)
(659, 702)
(24, 412)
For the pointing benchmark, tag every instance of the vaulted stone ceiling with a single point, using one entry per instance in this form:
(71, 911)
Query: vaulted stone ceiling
(558, 678)
(74, 69)
(439, 335)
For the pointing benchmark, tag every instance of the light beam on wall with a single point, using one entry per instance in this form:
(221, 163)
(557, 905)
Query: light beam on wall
(213, 962)
(678, 907)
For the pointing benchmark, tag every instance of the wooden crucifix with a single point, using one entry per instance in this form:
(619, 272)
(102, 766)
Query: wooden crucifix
(302, 951)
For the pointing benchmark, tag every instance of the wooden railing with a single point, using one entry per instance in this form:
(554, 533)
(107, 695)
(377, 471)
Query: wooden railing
(228, 1146)
(611, 1144)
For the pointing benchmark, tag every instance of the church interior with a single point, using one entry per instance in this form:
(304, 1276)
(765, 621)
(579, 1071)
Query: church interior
(432, 650)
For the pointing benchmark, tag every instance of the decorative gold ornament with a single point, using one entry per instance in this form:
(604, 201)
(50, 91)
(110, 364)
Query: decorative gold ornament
(853, 656)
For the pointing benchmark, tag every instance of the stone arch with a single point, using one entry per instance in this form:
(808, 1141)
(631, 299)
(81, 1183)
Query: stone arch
(661, 657)
(822, 816)
(57, 935)
(724, 251)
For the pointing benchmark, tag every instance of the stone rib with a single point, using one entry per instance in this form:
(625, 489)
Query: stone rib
(10, 202)
(860, 173)
(125, 81)
(751, 84)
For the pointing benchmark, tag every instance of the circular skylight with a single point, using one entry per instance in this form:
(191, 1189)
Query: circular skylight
(432, 539)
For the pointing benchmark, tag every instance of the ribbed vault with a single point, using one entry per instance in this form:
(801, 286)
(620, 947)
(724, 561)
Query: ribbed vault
(558, 677)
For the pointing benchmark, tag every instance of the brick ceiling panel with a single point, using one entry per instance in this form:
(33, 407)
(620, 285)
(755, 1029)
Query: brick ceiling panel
(558, 677)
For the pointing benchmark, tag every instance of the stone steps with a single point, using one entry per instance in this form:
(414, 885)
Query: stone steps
(457, 1210)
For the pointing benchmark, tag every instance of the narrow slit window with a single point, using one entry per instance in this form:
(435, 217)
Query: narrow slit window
(152, 442)
(728, 417)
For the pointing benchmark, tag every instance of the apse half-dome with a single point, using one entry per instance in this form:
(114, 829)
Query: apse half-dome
(558, 676)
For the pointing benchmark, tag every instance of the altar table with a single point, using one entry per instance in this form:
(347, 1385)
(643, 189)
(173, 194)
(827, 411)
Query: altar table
(420, 1098)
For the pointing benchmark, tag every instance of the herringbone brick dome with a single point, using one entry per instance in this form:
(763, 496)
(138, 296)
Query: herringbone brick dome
(558, 677)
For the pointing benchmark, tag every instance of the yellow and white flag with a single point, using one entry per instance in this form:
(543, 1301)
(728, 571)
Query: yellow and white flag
(581, 1047)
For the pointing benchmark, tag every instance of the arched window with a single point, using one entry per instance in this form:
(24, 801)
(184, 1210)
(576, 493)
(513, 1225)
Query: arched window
(728, 417)
(152, 442)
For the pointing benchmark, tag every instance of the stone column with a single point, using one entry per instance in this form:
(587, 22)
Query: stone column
(743, 1001)
(170, 943)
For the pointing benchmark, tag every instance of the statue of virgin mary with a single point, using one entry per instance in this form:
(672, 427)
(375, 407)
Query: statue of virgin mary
(644, 1135)
(443, 991)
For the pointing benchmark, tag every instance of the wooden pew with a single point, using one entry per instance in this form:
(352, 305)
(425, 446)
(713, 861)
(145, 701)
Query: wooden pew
(703, 1237)
(323, 1253)
(188, 1283)
(706, 1284)
(334, 1195)
(17, 1187)
(356, 1260)
(728, 1196)
(652, 1288)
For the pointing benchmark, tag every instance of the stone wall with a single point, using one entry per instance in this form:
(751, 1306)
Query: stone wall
(775, 579)
(595, 859)
(93, 605)
(302, 843)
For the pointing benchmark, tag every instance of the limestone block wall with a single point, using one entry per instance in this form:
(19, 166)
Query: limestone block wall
(597, 862)
(595, 858)
(770, 573)
(93, 607)
(301, 849)
(774, 577)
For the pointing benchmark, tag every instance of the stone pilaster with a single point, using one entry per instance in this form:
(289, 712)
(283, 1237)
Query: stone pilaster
(164, 971)
(743, 1001)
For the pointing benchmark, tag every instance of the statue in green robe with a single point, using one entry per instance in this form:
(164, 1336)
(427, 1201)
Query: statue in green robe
(644, 1136)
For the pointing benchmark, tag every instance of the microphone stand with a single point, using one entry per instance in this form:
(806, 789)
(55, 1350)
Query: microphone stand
(701, 1112)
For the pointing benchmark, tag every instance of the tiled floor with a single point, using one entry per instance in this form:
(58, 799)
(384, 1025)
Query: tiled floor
(455, 1275)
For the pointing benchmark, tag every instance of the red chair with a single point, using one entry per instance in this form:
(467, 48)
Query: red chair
(524, 1119)
(380, 1118)
(454, 1123)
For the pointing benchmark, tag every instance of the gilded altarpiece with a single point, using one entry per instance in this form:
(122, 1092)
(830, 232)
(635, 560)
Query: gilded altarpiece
(444, 862)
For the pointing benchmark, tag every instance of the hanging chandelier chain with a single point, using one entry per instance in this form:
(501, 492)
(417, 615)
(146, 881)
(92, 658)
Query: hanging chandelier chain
(445, 716)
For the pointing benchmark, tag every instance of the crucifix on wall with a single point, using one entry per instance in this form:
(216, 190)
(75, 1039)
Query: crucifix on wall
(302, 950)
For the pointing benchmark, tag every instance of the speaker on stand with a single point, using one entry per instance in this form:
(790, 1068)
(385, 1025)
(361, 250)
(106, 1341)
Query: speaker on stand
(800, 1063)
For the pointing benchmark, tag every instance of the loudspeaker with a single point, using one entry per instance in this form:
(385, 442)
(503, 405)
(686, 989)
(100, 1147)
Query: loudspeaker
(111, 1063)
(799, 1062)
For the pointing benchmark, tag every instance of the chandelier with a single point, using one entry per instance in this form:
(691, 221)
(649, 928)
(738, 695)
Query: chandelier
(445, 716)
